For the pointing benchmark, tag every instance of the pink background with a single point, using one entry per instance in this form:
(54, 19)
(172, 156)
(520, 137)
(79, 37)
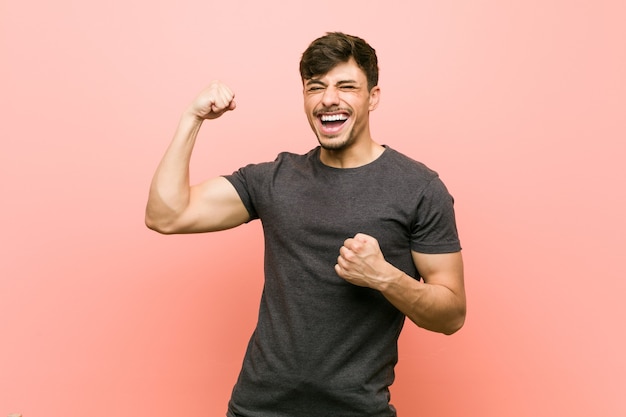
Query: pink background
(520, 106)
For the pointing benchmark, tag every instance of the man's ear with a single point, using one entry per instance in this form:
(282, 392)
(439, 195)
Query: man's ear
(374, 97)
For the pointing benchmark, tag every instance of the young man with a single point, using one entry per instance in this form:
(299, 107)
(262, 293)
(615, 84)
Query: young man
(350, 227)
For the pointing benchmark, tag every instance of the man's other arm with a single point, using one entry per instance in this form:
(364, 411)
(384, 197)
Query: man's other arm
(174, 206)
(437, 304)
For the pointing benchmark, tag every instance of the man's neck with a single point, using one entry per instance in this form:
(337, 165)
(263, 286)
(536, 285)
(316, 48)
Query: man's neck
(353, 156)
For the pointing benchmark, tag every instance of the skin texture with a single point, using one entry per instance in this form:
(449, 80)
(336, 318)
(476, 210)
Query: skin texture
(437, 304)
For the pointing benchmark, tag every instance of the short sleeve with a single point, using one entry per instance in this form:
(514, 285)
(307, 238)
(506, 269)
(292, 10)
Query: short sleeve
(434, 227)
(240, 180)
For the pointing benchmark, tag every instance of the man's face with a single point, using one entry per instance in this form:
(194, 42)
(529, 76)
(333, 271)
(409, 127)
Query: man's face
(337, 105)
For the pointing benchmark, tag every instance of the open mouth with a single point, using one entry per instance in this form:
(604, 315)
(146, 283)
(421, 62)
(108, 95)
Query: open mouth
(332, 123)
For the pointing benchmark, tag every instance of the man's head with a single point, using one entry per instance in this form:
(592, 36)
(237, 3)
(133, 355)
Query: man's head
(325, 53)
(340, 88)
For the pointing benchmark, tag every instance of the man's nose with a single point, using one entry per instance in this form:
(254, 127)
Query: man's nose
(330, 97)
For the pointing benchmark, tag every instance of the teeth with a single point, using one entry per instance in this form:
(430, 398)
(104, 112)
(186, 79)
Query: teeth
(334, 117)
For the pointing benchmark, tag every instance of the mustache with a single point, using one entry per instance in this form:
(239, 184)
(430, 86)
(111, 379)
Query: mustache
(333, 109)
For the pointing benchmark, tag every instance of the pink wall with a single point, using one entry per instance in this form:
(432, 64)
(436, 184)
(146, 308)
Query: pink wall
(519, 105)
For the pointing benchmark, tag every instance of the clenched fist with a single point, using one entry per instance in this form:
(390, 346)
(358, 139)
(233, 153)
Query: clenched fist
(213, 101)
(361, 262)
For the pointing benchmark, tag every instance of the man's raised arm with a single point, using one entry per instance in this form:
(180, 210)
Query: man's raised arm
(173, 205)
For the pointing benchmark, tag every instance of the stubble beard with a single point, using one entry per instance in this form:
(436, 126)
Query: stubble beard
(333, 145)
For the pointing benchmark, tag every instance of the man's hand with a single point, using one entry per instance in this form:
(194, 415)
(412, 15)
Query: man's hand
(361, 262)
(213, 101)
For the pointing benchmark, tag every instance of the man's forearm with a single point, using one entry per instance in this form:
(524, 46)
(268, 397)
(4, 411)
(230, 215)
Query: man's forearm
(430, 306)
(169, 190)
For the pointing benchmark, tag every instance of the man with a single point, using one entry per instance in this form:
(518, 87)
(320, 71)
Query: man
(350, 227)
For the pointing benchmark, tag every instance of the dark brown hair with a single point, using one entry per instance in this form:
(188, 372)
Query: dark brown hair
(334, 48)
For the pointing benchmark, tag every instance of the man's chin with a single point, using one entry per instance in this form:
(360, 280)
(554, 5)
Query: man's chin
(333, 146)
(333, 143)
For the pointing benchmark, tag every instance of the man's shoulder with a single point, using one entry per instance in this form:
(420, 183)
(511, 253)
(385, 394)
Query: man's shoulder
(297, 157)
(285, 161)
(408, 165)
(290, 157)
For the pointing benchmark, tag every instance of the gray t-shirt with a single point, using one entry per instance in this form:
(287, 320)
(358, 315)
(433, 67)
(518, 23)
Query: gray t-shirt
(323, 347)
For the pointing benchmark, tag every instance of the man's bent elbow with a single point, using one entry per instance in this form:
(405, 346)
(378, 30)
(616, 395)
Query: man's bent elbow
(455, 324)
(447, 325)
(454, 327)
(159, 226)
(156, 227)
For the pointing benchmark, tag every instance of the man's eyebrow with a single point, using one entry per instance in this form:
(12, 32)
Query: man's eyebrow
(315, 81)
(347, 82)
